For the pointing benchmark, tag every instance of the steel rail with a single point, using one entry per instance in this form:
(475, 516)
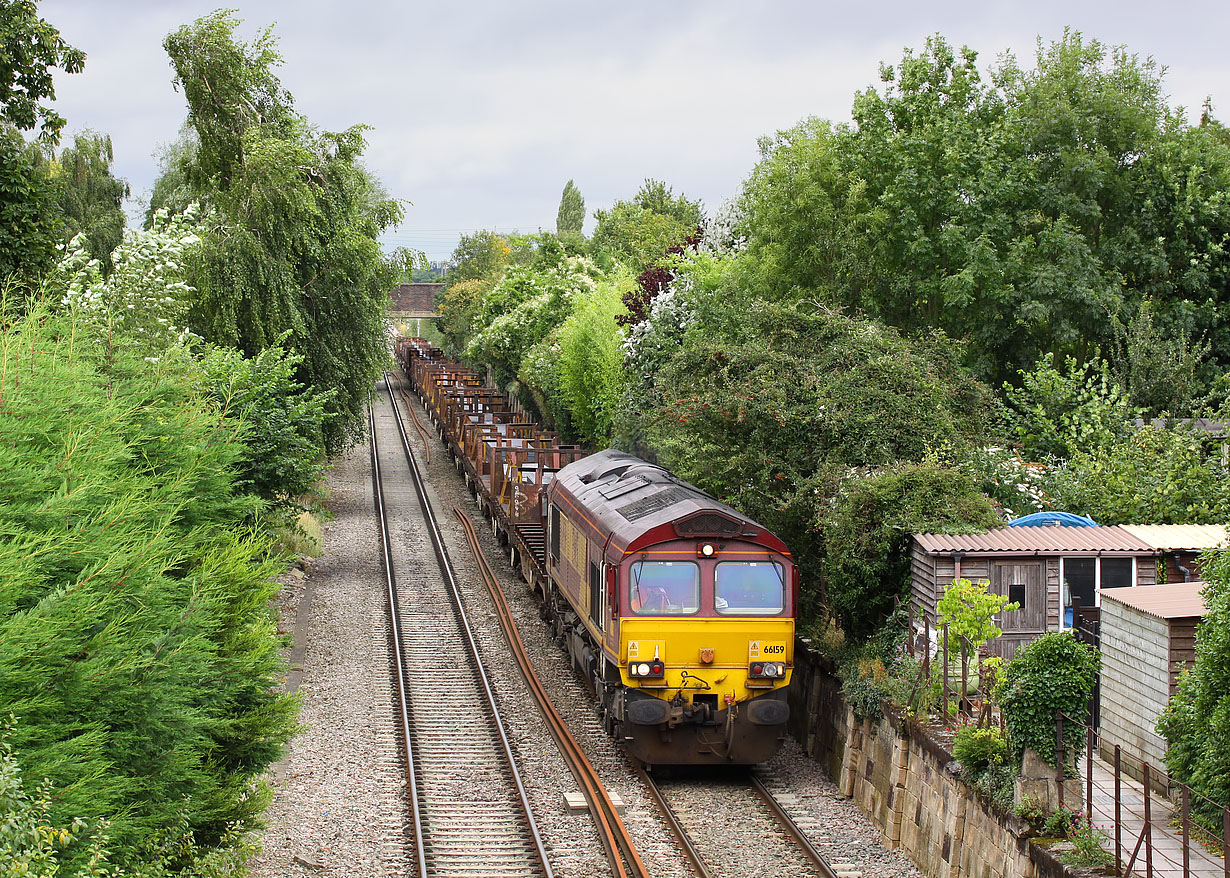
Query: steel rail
(611, 828)
(446, 568)
(399, 670)
(792, 828)
(672, 823)
(418, 425)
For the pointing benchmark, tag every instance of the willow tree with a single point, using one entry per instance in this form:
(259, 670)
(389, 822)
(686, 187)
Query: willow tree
(292, 241)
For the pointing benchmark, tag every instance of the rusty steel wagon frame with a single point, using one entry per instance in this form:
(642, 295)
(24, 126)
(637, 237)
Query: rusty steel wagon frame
(508, 461)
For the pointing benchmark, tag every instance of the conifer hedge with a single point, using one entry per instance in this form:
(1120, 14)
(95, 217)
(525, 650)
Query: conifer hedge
(140, 657)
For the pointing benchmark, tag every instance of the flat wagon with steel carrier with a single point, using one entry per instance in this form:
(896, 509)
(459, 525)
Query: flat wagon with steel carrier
(676, 609)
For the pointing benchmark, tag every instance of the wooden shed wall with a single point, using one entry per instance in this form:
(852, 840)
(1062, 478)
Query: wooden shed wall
(1190, 560)
(1136, 680)
(1182, 647)
(922, 583)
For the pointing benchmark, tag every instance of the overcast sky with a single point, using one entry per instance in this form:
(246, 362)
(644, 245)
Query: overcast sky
(481, 111)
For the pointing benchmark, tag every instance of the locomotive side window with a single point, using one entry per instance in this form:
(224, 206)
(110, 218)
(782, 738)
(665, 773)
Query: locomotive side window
(749, 588)
(554, 527)
(664, 588)
(597, 596)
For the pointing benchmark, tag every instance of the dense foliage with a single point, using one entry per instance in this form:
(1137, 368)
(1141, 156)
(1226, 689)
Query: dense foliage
(1196, 723)
(640, 230)
(291, 244)
(90, 196)
(140, 657)
(1029, 215)
(30, 228)
(1055, 673)
(823, 428)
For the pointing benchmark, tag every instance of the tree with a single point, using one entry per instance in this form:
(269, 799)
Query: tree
(292, 244)
(1027, 215)
(91, 197)
(818, 425)
(571, 215)
(640, 231)
(1196, 722)
(232, 92)
(480, 256)
(656, 196)
(29, 226)
(30, 49)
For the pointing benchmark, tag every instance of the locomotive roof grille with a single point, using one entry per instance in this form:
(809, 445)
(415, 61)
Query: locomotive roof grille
(708, 524)
(654, 502)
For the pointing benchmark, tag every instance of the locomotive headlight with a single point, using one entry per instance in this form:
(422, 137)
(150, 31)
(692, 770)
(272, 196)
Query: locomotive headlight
(767, 670)
(656, 668)
(706, 550)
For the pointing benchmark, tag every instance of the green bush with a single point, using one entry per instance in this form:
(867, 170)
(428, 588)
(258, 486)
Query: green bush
(1061, 822)
(1054, 673)
(140, 654)
(998, 784)
(283, 423)
(977, 748)
(1196, 722)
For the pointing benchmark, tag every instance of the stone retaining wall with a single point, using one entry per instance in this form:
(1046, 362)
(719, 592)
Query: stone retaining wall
(903, 781)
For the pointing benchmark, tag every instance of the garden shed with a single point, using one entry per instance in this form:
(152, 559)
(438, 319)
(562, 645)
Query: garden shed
(1178, 546)
(1043, 568)
(1148, 636)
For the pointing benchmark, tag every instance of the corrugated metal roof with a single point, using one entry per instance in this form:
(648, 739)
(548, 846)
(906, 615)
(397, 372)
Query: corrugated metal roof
(1170, 537)
(1178, 600)
(1055, 540)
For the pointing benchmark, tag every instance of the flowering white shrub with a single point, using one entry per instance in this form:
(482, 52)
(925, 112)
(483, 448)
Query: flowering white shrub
(1016, 486)
(145, 298)
(724, 233)
(526, 304)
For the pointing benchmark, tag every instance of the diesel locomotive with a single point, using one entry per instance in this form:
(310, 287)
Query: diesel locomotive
(677, 610)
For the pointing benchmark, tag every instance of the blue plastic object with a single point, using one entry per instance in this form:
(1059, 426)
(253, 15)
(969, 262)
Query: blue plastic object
(1041, 519)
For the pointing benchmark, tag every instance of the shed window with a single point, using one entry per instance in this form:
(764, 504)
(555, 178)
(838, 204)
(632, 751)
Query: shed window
(1080, 578)
(1016, 594)
(1116, 572)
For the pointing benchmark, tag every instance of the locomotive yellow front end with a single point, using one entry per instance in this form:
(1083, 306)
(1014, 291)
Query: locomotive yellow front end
(675, 608)
(706, 653)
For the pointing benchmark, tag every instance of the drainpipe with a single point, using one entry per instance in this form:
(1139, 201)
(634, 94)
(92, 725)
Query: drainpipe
(1187, 574)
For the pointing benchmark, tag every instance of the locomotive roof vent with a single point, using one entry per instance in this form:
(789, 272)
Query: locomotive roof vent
(708, 524)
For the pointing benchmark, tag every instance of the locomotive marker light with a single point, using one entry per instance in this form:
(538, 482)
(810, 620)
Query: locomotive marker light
(647, 670)
(706, 550)
(767, 670)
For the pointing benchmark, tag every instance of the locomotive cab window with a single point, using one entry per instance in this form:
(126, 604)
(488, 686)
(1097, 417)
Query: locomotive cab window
(749, 588)
(664, 588)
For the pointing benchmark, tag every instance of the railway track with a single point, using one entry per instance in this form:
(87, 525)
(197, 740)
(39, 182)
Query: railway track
(726, 827)
(469, 810)
(732, 826)
(621, 850)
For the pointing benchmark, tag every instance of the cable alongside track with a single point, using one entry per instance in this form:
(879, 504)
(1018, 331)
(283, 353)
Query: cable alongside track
(710, 817)
(469, 808)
